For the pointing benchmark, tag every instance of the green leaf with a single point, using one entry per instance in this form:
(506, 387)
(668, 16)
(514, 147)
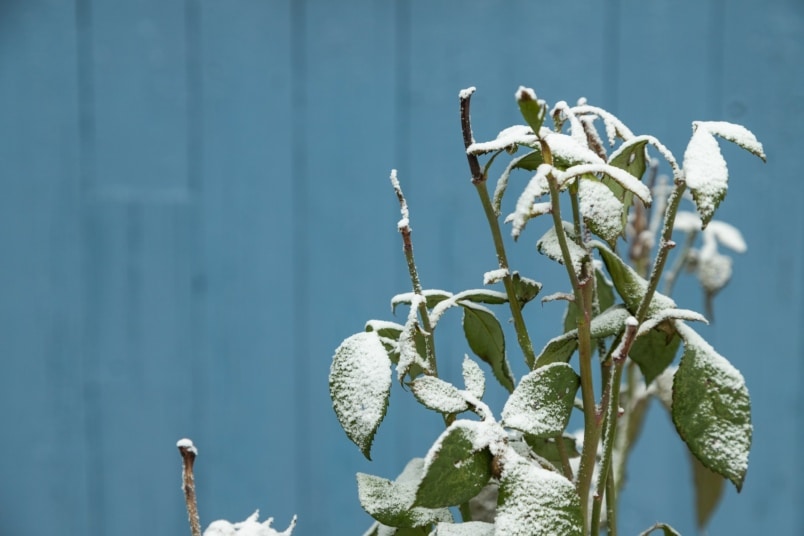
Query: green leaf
(390, 330)
(708, 491)
(547, 448)
(525, 289)
(632, 157)
(360, 386)
(630, 285)
(481, 295)
(391, 503)
(470, 528)
(529, 161)
(667, 529)
(711, 408)
(542, 402)
(605, 299)
(609, 322)
(602, 211)
(557, 350)
(532, 109)
(485, 337)
(536, 502)
(654, 351)
(438, 395)
(473, 378)
(457, 466)
(548, 245)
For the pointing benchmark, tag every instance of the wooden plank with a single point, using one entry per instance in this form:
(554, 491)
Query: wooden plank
(43, 467)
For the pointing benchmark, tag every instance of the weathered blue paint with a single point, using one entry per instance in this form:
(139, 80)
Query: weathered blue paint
(195, 212)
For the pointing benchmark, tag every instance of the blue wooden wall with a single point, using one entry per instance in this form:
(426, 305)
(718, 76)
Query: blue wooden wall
(194, 212)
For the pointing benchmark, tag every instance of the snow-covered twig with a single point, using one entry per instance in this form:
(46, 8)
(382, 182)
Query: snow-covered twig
(188, 453)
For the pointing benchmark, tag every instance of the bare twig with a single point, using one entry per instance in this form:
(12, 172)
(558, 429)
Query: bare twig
(188, 453)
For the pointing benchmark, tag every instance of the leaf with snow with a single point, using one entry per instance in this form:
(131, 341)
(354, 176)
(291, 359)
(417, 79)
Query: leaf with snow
(469, 528)
(653, 351)
(525, 289)
(529, 161)
(614, 127)
(507, 140)
(711, 408)
(536, 502)
(457, 466)
(724, 234)
(560, 349)
(630, 285)
(531, 108)
(568, 151)
(438, 395)
(549, 246)
(383, 328)
(485, 337)
(601, 210)
(605, 299)
(431, 298)
(473, 378)
(561, 111)
(360, 386)
(412, 346)
(391, 503)
(536, 188)
(547, 448)
(619, 176)
(705, 168)
(249, 527)
(542, 402)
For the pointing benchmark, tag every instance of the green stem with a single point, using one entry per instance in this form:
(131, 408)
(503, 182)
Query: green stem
(479, 180)
(611, 506)
(562, 453)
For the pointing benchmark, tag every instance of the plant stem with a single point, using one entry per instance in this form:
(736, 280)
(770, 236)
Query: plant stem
(188, 453)
(407, 247)
(562, 453)
(479, 180)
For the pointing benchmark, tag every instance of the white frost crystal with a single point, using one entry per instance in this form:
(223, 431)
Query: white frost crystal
(249, 527)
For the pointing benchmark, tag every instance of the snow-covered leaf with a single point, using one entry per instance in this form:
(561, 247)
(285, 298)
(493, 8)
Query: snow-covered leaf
(605, 299)
(507, 139)
(530, 161)
(567, 151)
(664, 527)
(630, 285)
(725, 234)
(734, 133)
(548, 245)
(481, 295)
(560, 349)
(249, 527)
(473, 378)
(546, 447)
(485, 337)
(709, 487)
(542, 402)
(383, 328)
(360, 385)
(525, 289)
(536, 188)
(532, 109)
(602, 212)
(391, 503)
(706, 172)
(457, 466)
(621, 177)
(411, 347)
(631, 156)
(536, 502)
(654, 351)
(438, 395)
(712, 408)
(470, 528)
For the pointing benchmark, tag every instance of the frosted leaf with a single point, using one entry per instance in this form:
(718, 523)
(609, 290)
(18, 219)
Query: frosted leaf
(384, 328)
(614, 127)
(536, 187)
(485, 337)
(726, 234)
(473, 378)
(620, 176)
(568, 151)
(470, 528)
(507, 139)
(542, 402)
(548, 245)
(438, 395)
(687, 222)
(360, 385)
(391, 503)
(664, 527)
(494, 276)
(407, 349)
(706, 172)
(431, 297)
(458, 464)
(714, 271)
(520, 162)
(601, 210)
(464, 298)
(560, 349)
(711, 408)
(734, 133)
(670, 314)
(536, 502)
(576, 127)
(249, 527)
(650, 140)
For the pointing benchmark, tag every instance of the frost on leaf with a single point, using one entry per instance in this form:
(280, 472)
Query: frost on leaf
(391, 503)
(470, 528)
(560, 349)
(473, 378)
(536, 188)
(360, 385)
(542, 402)
(711, 408)
(507, 139)
(705, 168)
(249, 527)
(601, 210)
(438, 395)
(536, 502)
(457, 466)
(549, 246)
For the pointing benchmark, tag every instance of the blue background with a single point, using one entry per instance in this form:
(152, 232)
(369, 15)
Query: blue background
(194, 212)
